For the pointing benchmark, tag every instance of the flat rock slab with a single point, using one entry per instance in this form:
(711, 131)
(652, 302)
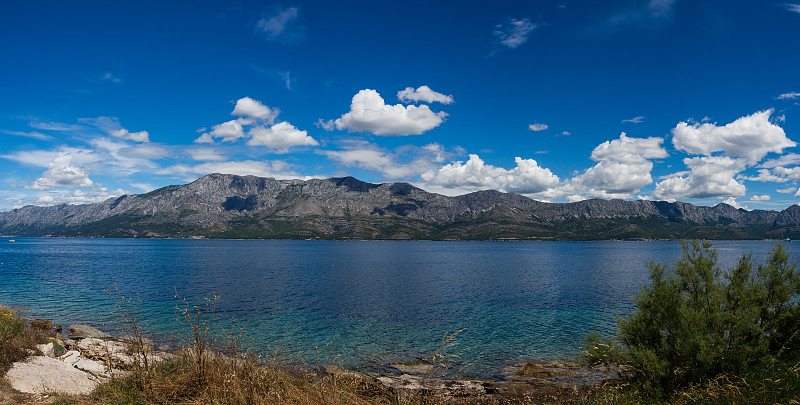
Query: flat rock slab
(85, 331)
(44, 375)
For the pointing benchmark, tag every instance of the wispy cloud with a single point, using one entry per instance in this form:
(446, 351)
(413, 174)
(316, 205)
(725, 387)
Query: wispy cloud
(647, 13)
(635, 120)
(33, 135)
(112, 78)
(282, 24)
(537, 127)
(795, 8)
(788, 96)
(512, 33)
(52, 126)
(286, 78)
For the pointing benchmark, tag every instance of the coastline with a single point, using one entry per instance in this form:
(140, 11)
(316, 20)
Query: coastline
(102, 356)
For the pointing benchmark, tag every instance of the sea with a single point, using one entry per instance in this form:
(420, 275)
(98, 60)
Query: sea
(363, 305)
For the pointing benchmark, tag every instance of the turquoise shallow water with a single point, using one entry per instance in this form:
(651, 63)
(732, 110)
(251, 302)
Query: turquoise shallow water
(370, 303)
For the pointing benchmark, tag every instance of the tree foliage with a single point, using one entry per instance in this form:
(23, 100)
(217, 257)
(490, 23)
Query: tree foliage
(696, 321)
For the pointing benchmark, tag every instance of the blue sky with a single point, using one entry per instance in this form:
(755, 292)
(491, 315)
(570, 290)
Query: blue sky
(695, 101)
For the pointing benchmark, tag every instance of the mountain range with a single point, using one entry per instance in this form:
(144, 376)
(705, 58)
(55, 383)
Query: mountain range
(231, 206)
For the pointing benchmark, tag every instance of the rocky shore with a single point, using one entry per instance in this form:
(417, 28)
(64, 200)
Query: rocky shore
(78, 360)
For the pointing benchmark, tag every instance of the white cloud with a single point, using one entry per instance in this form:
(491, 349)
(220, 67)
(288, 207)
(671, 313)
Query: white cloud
(279, 137)
(526, 178)
(111, 126)
(33, 134)
(652, 11)
(788, 190)
(275, 168)
(764, 197)
(141, 136)
(369, 113)
(708, 177)
(513, 32)
(262, 128)
(249, 108)
(408, 161)
(204, 138)
(229, 131)
(629, 150)
(764, 175)
(205, 154)
(795, 8)
(635, 120)
(424, 94)
(791, 173)
(785, 160)
(62, 174)
(735, 204)
(52, 126)
(92, 195)
(110, 77)
(788, 96)
(623, 167)
(537, 127)
(282, 24)
(750, 137)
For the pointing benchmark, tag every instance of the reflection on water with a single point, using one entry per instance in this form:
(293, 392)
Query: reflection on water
(370, 302)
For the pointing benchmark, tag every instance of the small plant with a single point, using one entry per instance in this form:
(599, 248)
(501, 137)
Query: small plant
(16, 339)
(127, 313)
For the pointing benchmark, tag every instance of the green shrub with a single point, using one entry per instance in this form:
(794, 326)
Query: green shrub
(695, 321)
(15, 338)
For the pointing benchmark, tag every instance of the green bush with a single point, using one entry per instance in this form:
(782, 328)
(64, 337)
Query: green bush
(696, 321)
(15, 338)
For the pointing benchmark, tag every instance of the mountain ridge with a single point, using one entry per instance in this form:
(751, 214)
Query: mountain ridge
(232, 206)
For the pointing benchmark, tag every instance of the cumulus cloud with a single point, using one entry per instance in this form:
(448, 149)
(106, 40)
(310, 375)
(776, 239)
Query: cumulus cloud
(282, 24)
(526, 178)
(279, 137)
(369, 113)
(229, 131)
(262, 129)
(764, 197)
(790, 173)
(62, 173)
(764, 175)
(735, 204)
(513, 32)
(246, 107)
(709, 176)
(623, 167)
(750, 137)
(424, 94)
(537, 127)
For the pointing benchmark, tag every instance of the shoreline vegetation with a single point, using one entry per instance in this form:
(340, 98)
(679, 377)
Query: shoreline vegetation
(698, 334)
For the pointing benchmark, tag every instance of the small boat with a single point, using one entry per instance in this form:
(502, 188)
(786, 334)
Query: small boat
(11, 240)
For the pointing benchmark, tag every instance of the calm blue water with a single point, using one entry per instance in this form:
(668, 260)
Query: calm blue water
(369, 302)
